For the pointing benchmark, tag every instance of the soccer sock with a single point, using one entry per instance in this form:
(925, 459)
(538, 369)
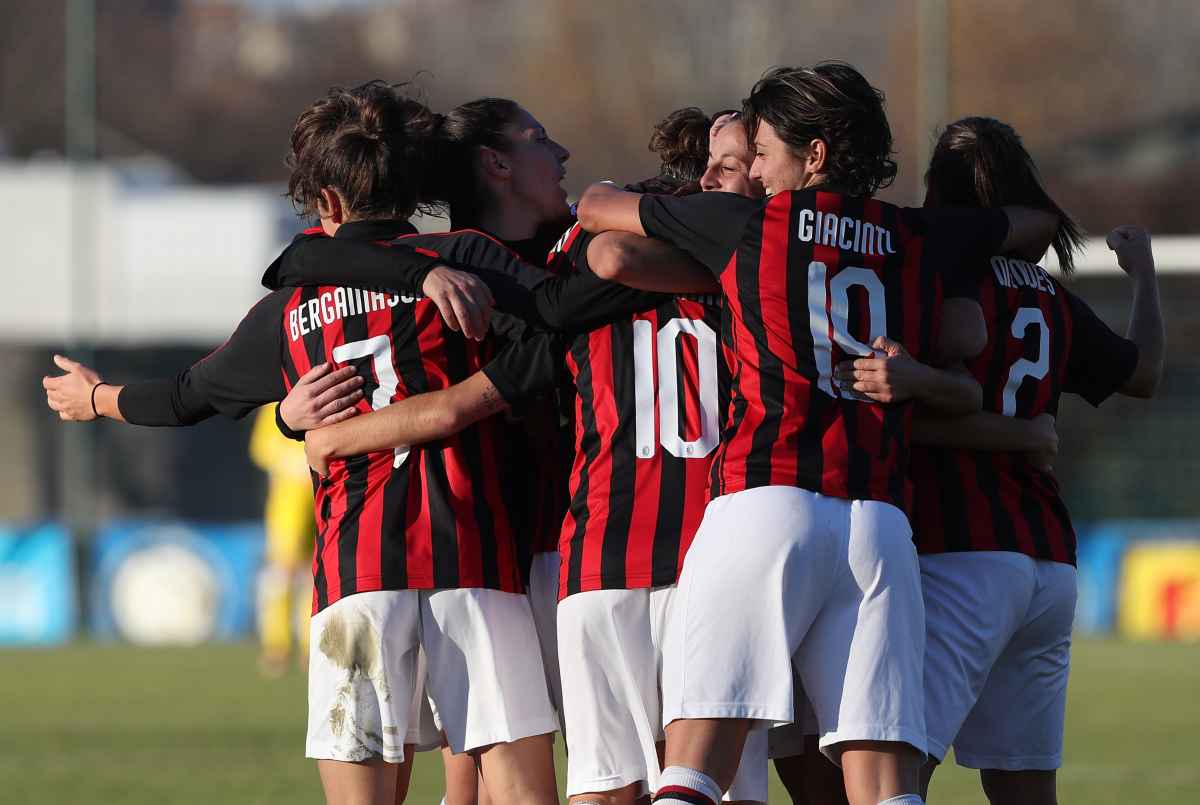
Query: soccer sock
(904, 799)
(679, 785)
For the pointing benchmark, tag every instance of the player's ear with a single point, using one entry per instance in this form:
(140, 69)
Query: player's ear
(818, 152)
(329, 206)
(494, 163)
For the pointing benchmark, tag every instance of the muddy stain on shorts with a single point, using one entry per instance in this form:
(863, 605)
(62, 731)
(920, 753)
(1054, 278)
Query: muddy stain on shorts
(351, 642)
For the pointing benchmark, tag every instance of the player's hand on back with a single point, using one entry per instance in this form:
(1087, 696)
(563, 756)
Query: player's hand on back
(1046, 434)
(322, 396)
(1132, 246)
(892, 375)
(464, 300)
(70, 394)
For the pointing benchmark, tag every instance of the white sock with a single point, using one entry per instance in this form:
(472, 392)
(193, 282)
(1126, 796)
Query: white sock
(904, 799)
(689, 781)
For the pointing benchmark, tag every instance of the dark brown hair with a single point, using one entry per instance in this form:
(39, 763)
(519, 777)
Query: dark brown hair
(681, 142)
(981, 162)
(369, 143)
(831, 102)
(454, 183)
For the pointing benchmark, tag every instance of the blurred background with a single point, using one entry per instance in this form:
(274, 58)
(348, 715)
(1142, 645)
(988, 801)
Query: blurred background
(141, 180)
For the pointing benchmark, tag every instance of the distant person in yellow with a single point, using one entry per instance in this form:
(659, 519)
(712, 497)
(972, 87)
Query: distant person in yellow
(285, 583)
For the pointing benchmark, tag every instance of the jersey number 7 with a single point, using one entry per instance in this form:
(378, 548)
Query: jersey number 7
(379, 350)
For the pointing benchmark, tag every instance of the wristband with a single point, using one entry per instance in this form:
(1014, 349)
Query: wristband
(96, 413)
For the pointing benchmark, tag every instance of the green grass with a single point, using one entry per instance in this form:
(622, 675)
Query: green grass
(114, 724)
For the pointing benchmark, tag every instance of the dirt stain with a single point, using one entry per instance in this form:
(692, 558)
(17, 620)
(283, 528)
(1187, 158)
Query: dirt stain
(352, 643)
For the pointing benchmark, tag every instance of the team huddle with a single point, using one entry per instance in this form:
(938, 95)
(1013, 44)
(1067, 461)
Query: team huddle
(733, 463)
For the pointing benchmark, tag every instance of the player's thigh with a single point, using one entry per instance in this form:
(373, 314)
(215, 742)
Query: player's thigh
(543, 601)
(862, 659)
(363, 671)
(367, 782)
(1017, 722)
(974, 603)
(754, 577)
(610, 689)
(485, 674)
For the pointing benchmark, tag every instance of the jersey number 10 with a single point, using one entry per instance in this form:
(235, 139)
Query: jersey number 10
(668, 385)
(829, 318)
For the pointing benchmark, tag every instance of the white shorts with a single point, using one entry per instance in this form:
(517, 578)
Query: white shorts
(484, 684)
(997, 657)
(543, 599)
(611, 662)
(779, 575)
(787, 740)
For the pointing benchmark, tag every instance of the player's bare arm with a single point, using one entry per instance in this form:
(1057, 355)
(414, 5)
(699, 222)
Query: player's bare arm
(1037, 437)
(647, 264)
(1030, 232)
(414, 420)
(1146, 328)
(604, 206)
(80, 395)
(321, 397)
(895, 376)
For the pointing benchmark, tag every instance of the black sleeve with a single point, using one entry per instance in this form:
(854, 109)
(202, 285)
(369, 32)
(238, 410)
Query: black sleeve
(234, 380)
(576, 300)
(527, 367)
(960, 242)
(1100, 361)
(708, 226)
(322, 260)
(282, 427)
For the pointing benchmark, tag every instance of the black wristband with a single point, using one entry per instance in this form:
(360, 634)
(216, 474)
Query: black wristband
(297, 435)
(96, 413)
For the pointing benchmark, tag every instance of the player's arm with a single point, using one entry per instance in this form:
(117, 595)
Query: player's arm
(1146, 327)
(705, 226)
(1037, 438)
(522, 369)
(621, 256)
(233, 380)
(322, 396)
(895, 376)
(414, 420)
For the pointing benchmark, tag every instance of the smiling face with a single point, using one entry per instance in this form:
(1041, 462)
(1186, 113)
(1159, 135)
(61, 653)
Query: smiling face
(537, 168)
(729, 160)
(779, 167)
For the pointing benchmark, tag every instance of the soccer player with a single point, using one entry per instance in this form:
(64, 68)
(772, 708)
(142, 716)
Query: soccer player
(997, 549)
(416, 548)
(805, 554)
(643, 449)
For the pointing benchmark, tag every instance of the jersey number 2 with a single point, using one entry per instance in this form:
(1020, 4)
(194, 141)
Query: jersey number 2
(379, 350)
(829, 317)
(668, 385)
(1027, 317)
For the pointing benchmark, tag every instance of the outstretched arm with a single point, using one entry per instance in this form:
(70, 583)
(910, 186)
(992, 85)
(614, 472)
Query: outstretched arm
(605, 207)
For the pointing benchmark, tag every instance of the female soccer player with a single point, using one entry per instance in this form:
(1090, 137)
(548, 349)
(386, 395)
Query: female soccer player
(997, 549)
(806, 537)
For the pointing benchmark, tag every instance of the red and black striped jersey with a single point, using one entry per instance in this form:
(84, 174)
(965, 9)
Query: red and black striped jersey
(647, 407)
(1042, 341)
(437, 515)
(811, 278)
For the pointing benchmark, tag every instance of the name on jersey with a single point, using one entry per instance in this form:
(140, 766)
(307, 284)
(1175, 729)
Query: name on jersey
(1013, 273)
(339, 303)
(845, 233)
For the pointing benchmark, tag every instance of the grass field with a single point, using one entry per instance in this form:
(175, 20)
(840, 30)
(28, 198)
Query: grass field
(113, 724)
